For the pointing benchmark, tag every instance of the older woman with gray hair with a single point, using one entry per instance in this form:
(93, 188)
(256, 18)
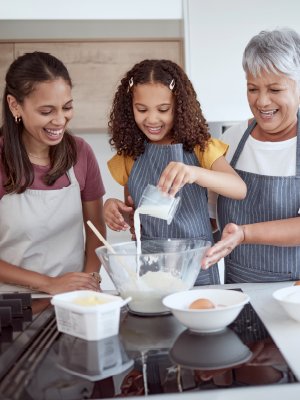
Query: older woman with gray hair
(260, 234)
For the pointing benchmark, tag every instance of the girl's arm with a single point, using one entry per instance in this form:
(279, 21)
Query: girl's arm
(93, 211)
(283, 233)
(222, 179)
(16, 276)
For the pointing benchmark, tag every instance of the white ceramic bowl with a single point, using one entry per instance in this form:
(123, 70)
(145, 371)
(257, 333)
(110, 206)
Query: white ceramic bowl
(209, 351)
(289, 299)
(212, 320)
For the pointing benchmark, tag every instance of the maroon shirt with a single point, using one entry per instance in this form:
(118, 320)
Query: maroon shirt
(86, 170)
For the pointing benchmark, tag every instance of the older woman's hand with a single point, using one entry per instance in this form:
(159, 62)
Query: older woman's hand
(232, 236)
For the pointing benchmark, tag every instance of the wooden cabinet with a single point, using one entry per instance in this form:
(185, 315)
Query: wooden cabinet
(96, 67)
(6, 58)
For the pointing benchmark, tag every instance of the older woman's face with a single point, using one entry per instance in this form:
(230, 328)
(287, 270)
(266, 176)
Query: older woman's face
(274, 100)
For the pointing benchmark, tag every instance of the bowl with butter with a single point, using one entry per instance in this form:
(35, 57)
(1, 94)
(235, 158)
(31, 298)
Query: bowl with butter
(87, 314)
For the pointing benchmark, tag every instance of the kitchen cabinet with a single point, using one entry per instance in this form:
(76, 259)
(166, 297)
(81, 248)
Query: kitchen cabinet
(96, 68)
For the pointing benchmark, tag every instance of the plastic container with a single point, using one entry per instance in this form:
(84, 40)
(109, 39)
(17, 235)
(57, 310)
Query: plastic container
(177, 261)
(93, 360)
(88, 322)
(155, 205)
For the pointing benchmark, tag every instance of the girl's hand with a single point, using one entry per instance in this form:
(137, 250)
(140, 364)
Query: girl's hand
(232, 236)
(112, 215)
(176, 175)
(73, 281)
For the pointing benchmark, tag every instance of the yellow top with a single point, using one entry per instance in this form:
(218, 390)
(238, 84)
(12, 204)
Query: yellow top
(120, 167)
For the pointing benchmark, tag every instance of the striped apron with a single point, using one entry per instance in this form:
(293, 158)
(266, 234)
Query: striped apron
(269, 198)
(191, 219)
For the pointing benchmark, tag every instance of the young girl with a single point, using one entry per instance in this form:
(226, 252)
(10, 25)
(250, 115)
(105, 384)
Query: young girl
(161, 137)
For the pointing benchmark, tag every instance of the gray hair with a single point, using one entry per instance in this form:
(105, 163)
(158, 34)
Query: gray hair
(275, 51)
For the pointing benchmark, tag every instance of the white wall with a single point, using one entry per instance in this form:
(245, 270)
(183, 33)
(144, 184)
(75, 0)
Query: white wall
(216, 33)
(90, 9)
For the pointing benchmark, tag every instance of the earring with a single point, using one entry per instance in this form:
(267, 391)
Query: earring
(172, 85)
(18, 119)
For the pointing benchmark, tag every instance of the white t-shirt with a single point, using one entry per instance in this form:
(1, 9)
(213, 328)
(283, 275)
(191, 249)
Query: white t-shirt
(263, 158)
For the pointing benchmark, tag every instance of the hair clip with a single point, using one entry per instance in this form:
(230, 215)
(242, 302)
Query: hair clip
(130, 84)
(172, 84)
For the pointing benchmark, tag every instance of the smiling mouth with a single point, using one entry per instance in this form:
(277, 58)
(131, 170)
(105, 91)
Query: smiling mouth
(54, 133)
(156, 129)
(268, 113)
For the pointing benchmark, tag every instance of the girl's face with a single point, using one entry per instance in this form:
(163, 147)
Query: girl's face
(274, 101)
(46, 112)
(153, 108)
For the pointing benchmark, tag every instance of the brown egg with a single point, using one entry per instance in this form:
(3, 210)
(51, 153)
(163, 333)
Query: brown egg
(297, 283)
(201, 304)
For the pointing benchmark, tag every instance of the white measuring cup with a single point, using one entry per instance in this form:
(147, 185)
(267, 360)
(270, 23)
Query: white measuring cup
(155, 205)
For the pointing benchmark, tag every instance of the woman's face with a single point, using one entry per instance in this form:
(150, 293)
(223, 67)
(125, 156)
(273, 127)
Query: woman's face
(46, 112)
(274, 100)
(153, 108)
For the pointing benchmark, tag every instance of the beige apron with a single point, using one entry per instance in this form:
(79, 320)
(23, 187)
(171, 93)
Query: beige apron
(42, 230)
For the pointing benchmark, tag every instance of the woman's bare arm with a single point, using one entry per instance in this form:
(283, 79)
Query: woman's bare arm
(282, 233)
(16, 276)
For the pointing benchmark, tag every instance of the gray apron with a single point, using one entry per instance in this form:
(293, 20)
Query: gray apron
(191, 219)
(269, 198)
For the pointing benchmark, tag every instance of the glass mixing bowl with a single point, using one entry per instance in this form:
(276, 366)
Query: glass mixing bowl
(164, 267)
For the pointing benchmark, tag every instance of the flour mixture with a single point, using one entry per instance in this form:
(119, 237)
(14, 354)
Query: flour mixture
(160, 285)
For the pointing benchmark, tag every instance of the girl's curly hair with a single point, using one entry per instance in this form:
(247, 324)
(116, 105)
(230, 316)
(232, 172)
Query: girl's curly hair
(190, 126)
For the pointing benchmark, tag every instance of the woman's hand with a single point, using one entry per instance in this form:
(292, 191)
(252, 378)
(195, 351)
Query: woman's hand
(232, 236)
(112, 214)
(73, 281)
(176, 175)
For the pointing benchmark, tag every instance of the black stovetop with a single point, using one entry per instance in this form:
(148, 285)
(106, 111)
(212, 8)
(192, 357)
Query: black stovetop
(151, 355)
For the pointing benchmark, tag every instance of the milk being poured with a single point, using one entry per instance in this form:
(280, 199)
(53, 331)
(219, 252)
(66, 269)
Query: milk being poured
(154, 211)
(152, 286)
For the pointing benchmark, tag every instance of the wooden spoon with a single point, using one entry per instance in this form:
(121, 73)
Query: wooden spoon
(100, 237)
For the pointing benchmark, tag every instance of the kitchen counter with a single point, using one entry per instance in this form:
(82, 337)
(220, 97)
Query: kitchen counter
(285, 333)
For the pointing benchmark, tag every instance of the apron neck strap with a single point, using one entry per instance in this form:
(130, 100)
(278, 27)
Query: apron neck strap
(242, 143)
(248, 133)
(298, 145)
(71, 175)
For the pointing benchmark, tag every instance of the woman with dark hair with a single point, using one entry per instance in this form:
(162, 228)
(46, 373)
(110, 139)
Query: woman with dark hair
(50, 183)
(261, 234)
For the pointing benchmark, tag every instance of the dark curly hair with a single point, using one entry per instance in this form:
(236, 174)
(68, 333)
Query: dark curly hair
(190, 126)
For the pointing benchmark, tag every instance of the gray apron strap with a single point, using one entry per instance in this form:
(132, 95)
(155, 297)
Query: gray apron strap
(298, 146)
(248, 132)
(242, 143)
